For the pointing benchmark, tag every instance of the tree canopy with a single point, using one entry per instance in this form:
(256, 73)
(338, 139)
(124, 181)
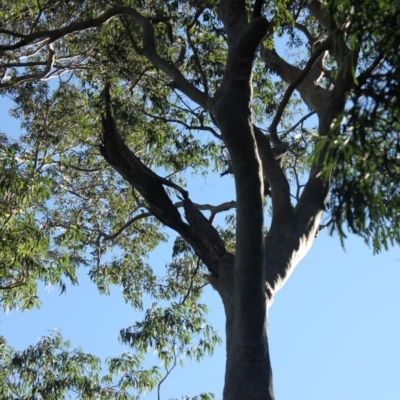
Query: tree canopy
(122, 103)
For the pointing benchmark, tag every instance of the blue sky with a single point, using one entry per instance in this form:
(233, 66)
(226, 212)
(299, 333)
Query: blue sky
(333, 328)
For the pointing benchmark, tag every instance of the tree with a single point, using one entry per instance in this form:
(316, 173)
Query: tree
(104, 160)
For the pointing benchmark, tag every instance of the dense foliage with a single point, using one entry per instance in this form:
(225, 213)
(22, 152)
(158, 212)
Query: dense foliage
(64, 207)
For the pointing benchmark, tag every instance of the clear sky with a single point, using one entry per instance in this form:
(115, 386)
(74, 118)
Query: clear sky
(334, 328)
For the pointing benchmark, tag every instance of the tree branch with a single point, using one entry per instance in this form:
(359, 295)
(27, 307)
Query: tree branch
(214, 210)
(293, 85)
(306, 32)
(280, 190)
(191, 282)
(127, 224)
(199, 232)
(313, 95)
(25, 64)
(150, 52)
(11, 33)
(13, 285)
(302, 28)
(205, 207)
(33, 77)
(53, 35)
(299, 122)
(370, 70)
(321, 13)
(189, 127)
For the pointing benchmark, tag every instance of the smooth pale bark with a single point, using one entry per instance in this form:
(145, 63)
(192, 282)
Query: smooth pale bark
(248, 370)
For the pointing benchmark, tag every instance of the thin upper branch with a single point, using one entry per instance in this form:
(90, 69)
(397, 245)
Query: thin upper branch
(214, 210)
(117, 233)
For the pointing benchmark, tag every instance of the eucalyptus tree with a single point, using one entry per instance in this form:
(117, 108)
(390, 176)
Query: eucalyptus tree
(145, 93)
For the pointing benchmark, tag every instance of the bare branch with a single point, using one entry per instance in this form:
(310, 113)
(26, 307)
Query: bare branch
(205, 207)
(370, 70)
(33, 77)
(125, 226)
(150, 52)
(189, 127)
(326, 225)
(75, 167)
(293, 85)
(300, 121)
(196, 17)
(213, 209)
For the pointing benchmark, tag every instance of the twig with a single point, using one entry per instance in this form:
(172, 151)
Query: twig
(167, 374)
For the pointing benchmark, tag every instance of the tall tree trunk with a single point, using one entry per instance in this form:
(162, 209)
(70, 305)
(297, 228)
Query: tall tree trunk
(248, 370)
(248, 373)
